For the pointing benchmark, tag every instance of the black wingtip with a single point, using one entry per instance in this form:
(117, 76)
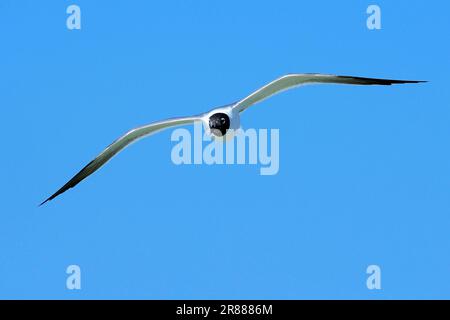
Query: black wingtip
(44, 202)
(376, 81)
(57, 193)
(409, 81)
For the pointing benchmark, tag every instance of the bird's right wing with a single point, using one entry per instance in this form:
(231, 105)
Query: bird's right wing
(293, 80)
(117, 146)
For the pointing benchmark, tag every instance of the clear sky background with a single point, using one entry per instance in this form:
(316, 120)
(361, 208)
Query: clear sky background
(364, 171)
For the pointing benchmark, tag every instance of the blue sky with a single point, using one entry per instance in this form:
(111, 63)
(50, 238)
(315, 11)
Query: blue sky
(364, 171)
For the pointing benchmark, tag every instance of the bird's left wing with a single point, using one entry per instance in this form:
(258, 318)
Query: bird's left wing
(293, 80)
(117, 146)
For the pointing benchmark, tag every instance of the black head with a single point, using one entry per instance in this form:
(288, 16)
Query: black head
(219, 123)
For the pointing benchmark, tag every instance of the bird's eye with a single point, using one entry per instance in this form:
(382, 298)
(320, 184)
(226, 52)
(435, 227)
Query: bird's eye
(223, 120)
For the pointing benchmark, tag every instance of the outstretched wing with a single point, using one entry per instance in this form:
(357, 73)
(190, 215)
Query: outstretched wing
(293, 80)
(117, 146)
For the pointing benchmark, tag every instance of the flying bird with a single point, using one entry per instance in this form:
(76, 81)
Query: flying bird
(218, 121)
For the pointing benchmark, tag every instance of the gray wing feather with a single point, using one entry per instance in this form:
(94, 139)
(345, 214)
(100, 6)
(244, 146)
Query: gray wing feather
(117, 146)
(293, 80)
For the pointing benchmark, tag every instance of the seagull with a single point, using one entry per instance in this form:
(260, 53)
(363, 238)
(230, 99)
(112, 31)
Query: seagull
(218, 121)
